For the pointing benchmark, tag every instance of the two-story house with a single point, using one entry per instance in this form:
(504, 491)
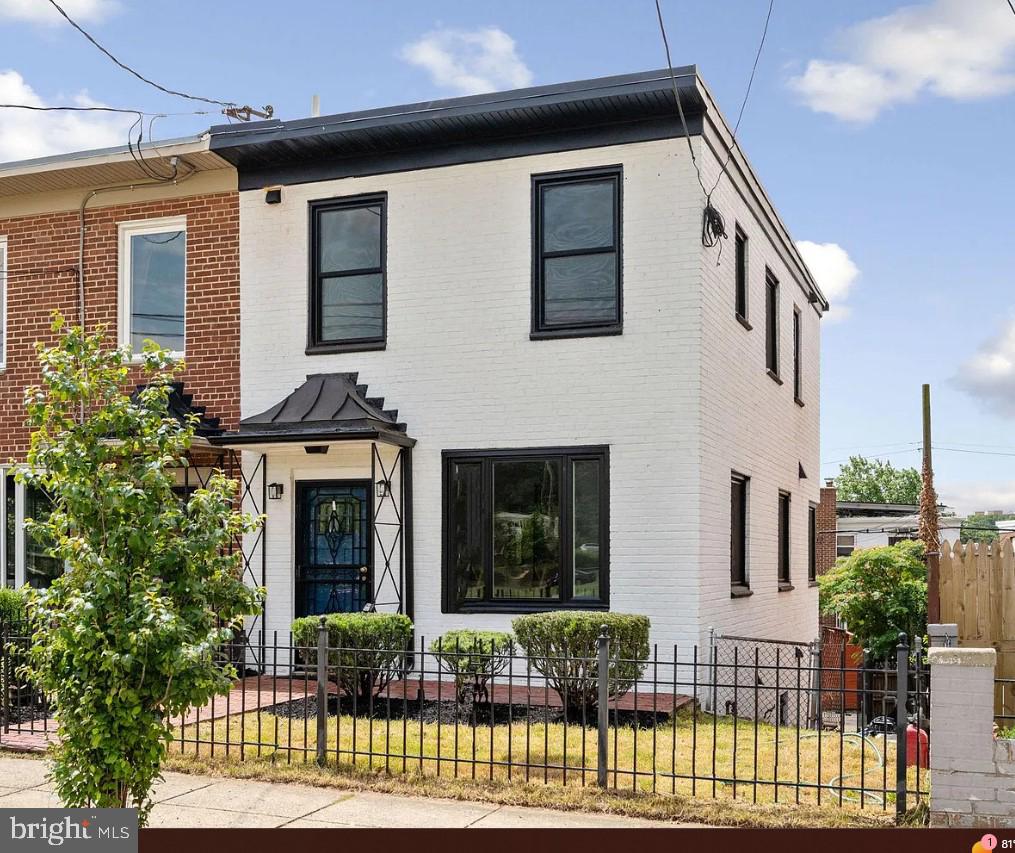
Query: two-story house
(144, 241)
(488, 365)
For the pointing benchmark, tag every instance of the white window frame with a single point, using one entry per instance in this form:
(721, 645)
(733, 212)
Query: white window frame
(3, 301)
(136, 228)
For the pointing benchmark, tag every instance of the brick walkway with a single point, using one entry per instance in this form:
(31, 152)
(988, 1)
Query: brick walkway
(259, 692)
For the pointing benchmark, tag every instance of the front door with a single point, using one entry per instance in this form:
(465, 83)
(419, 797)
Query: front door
(333, 547)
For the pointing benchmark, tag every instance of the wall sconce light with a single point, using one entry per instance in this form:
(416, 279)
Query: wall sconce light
(273, 195)
(275, 491)
(383, 488)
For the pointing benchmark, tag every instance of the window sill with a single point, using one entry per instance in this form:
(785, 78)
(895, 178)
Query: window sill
(743, 321)
(358, 346)
(774, 376)
(591, 332)
(533, 607)
(799, 402)
(738, 591)
(785, 587)
(813, 584)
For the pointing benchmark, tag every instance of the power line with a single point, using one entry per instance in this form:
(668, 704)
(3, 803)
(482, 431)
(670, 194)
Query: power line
(1011, 6)
(130, 70)
(747, 94)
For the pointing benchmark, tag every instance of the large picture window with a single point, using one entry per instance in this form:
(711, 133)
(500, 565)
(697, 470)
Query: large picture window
(153, 283)
(526, 529)
(347, 287)
(576, 253)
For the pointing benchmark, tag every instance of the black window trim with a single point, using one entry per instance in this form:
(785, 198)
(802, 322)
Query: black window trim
(539, 330)
(798, 378)
(742, 316)
(741, 587)
(772, 354)
(784, 537)
(812, 543)
(566, 602)
(316, 346)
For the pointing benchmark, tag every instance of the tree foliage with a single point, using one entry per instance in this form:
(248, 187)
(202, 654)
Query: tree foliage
(982, 526)
(878, 592)
(128, 637)
(877, 481)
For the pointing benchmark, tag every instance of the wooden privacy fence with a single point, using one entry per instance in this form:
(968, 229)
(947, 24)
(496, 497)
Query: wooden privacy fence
(978, 595)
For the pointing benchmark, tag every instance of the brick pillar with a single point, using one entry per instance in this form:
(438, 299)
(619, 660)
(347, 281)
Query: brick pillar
(971, 774)
(827, 519)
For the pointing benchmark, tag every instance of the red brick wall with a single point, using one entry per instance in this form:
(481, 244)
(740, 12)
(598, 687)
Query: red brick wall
(38, 244)
(827, 520)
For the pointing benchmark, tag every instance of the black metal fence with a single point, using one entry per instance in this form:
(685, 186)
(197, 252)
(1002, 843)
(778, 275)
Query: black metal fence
(796, 729)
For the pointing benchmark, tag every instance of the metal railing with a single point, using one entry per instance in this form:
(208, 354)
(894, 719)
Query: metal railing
(581, 717)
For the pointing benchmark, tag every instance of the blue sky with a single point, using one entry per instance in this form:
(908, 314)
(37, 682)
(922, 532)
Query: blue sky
(880, 130)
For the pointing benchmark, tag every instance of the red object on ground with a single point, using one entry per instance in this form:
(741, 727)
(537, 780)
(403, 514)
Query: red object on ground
(914, 736)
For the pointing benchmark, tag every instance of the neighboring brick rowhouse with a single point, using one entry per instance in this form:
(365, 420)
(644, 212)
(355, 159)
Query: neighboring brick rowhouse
(972, 776)
(40, 243)
(827, 521)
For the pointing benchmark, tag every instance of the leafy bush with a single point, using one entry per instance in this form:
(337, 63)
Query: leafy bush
(12, 605)
(473, 658)
(563, 648)
(365, 650)
(125, 640)
(878, 592)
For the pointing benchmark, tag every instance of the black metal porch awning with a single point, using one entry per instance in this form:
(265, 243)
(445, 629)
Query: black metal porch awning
(327, 407)
(180, 405)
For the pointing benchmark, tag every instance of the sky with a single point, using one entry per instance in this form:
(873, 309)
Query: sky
(881, 131)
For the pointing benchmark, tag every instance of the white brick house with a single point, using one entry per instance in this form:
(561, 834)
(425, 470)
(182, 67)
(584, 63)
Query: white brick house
(573, 433)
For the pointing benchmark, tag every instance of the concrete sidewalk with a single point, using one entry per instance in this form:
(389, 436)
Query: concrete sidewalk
(203, 801)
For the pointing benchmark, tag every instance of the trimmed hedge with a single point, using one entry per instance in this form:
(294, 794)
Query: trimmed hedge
(12, 605)
(562, 646)
(473, 658)
(366, 651)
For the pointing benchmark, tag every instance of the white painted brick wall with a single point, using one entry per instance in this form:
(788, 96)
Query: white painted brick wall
(463, 373)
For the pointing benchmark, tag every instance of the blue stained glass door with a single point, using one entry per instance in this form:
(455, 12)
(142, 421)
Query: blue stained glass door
(334, 567)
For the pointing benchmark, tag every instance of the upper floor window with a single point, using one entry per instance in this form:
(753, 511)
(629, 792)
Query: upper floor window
(740, 243)
(153, 283)
(797, 358)
(3, 302)
(772, 324)
(347, 278)
(576, 286)
(526, 529)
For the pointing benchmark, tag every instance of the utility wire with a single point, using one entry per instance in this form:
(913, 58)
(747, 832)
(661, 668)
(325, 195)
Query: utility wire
(1011, 6)
(130, 70)
(747, 94)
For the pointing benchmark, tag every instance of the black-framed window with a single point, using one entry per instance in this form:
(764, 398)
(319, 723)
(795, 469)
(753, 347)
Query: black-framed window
(812, 543)
(739, 486)
(10, 525)
(784, 547)
(740, 265)
(771, 323)
(797, 356)
(576, 231)
(526, 529)
(347, 274)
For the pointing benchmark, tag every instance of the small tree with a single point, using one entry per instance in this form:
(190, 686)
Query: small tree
(127, 638)
(877, 481)
(878, 592)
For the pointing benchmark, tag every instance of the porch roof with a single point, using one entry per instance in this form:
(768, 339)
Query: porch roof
(327, 407)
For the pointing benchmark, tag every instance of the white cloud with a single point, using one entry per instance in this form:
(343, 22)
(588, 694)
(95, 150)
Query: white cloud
(966, 497)
(26, 134)
(469, 61)
(834, 271)
(957, 49)
(990, 374)
(42, 12)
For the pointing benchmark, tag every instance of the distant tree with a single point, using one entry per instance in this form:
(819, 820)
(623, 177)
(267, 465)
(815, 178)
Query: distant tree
(982, 526)
(877, 481)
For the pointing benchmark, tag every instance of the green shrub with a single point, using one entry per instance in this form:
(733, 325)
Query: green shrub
(366, 650)
(563, 646)
(12, 605)
(473, 658)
